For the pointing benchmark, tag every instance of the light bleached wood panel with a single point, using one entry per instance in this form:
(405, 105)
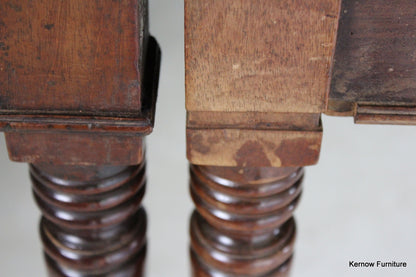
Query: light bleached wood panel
(266, 55)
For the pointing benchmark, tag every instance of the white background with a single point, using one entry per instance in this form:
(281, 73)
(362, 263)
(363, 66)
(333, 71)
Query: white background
(358, 202)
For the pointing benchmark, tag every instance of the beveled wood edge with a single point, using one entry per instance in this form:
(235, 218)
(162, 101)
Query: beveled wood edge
(121, 124)
(73, 124)
(369, 114)
(368, 105)
(338, 107)
(253, 120)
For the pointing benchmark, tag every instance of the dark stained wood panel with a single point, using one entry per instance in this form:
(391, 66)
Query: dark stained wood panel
(72, 56)
(375, 58)
(74, 149)
(78, 80)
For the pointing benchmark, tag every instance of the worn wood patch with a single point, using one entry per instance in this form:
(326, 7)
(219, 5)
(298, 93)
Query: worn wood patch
(375, 59)
(253, 148)
(72, 56)
(268, 56)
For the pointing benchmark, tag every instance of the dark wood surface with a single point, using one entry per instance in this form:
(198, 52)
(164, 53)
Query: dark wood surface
(74, 149)
(47, 120)
(78, 81)
(92, 220)
(243, 223)
(87, 56)
(374, 61)
(95, 70)
(78, 87)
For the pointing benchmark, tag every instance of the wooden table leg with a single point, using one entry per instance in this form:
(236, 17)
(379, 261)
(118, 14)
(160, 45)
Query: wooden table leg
(257, 81)
(78, 91)
(243, 224)
(92, 222)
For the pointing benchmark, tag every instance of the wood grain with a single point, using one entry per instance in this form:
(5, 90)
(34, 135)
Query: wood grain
(253, 120)
(72, 56)
(245, 147)
(44, 137)
(257, 79)
(78, 80)
(375, 59)
(74, 149)
(267, 56)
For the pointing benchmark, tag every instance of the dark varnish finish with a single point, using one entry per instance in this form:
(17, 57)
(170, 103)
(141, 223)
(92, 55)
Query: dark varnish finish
(87, 56)
(374, 73)
(243, 223)
(93, 223)
(78, 87)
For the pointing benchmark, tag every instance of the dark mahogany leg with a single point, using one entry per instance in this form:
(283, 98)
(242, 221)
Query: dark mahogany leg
(243, 223)
(93, 223)
(78, 110)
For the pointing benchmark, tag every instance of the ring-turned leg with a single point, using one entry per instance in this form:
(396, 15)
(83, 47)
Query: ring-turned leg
(243, 224)
(256, 84)
(92, 222)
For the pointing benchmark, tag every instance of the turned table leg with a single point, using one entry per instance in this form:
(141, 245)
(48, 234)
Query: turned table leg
(243, 224)
(92, 222)
(78, 96)
(256, 84)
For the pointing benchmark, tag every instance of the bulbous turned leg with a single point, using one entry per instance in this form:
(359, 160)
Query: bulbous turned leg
(243, 223)
(92, 220)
